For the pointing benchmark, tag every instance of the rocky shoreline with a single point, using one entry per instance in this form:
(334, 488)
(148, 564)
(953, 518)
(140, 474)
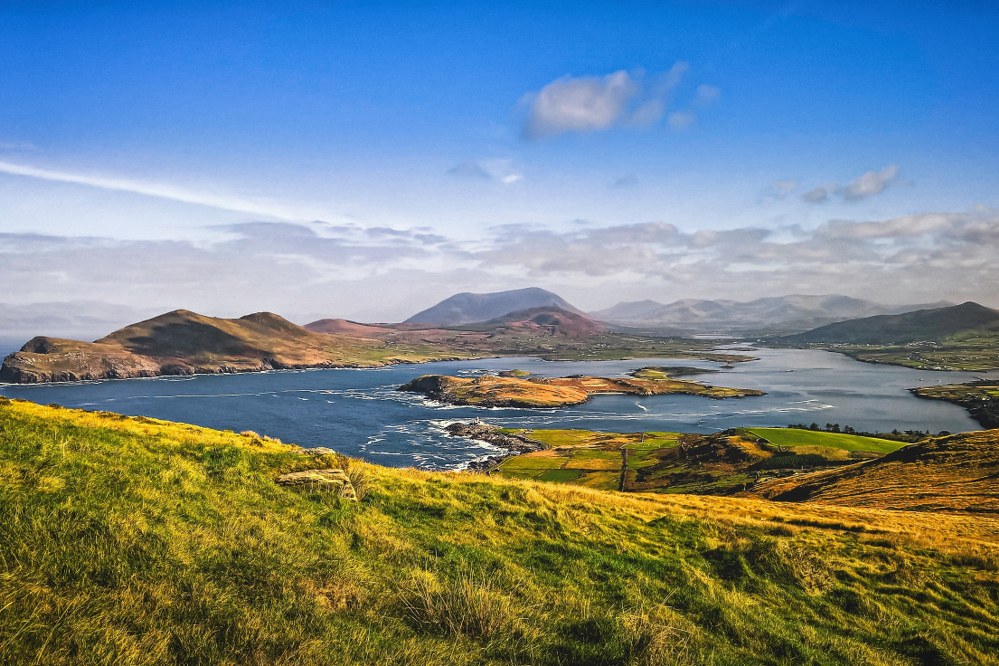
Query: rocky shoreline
(483, 432)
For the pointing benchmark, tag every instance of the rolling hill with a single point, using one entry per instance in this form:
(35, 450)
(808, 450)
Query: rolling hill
(138, 541)
(183, 342)
(954, 473)
(922, 325)
(553, 321)
(780, 313)
(469, 308)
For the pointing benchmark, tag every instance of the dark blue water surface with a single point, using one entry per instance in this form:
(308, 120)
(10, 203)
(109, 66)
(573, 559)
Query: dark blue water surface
(359, 412)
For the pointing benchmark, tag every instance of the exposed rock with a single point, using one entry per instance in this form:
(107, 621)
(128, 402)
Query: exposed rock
(483, 432)
(318, 451)
(327, 480)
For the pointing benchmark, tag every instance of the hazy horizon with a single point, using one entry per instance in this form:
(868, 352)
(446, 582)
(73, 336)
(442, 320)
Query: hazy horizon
(366, 161)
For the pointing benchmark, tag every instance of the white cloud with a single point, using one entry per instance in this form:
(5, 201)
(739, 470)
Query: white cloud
(706, 95)
(583, 104)
(783, 188)
(469, 169)
(498, 170)
(816, 195)
(151, 189)
(681, 120)
(597, 103)
(17, 146)
(627, 180)
(870, 184)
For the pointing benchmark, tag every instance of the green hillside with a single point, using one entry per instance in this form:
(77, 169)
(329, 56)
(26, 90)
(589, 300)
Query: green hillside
(135, 541)
(725, 463)
(796, 437)
(932, 324)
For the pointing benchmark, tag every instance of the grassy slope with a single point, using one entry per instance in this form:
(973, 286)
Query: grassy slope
(954, 473)
(795, 437)
(138, 541)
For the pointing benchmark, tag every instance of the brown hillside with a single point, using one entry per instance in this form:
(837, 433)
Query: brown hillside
(512, 391)
(548, 321)
(348, 327)
(958, 473)
(185, 342)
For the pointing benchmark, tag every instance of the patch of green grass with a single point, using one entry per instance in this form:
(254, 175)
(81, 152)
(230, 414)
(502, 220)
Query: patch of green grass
(792, 437)
(136, 541)
(560, 475)
(532, 462)
(556, 438)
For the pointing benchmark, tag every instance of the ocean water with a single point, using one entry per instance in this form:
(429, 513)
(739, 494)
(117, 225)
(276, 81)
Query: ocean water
(360, 413)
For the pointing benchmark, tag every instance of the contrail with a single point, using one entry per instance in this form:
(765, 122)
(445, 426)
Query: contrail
(151, 189)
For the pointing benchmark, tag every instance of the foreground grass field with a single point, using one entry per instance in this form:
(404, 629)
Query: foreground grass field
(133, 541)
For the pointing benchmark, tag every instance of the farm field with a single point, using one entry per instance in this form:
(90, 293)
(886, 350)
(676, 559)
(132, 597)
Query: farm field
(724, 463)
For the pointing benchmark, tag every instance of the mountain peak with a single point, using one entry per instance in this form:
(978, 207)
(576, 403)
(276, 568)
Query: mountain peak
(471, 308)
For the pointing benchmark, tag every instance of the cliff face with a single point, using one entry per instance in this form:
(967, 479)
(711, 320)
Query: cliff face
(56, 360)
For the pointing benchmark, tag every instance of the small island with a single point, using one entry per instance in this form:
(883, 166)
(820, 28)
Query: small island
(510, 390)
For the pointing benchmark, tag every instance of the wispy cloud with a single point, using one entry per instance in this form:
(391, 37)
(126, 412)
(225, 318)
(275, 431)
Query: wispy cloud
(868, 185)
(681, 120)
(497, 170)
(152, 189)
(17, 146)
(706, 95)
(781, 189)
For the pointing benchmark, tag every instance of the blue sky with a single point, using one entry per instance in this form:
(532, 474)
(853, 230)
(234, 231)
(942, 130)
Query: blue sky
(404, 151)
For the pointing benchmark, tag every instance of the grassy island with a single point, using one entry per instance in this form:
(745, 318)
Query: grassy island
(511, 390)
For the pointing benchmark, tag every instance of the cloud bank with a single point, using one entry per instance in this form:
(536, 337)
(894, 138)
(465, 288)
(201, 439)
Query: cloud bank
(381, 273)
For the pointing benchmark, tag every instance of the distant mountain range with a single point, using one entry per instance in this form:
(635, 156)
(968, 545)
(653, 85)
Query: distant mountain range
(469, 308)
(929, 324)
(779, 314)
